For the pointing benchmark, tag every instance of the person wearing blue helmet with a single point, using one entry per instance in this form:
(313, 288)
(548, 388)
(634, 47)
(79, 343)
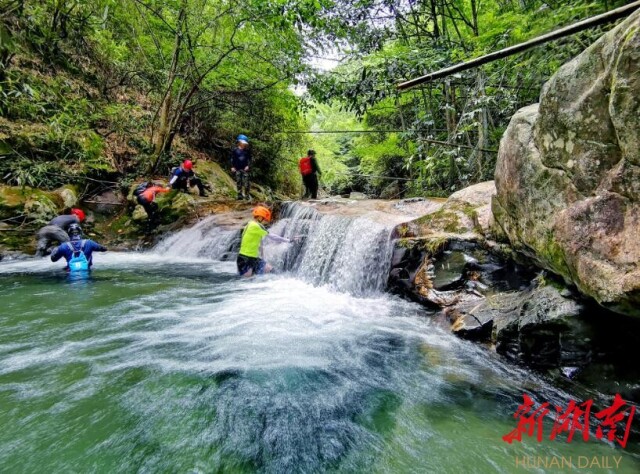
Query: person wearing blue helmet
(240, 162)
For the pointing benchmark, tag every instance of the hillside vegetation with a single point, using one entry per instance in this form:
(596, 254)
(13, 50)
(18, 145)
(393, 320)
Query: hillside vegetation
(98, 94)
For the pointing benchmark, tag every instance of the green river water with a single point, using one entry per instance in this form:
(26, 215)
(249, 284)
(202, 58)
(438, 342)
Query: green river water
(154, 365)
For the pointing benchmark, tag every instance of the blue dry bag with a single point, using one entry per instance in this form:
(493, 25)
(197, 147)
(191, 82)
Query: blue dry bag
(79, 260)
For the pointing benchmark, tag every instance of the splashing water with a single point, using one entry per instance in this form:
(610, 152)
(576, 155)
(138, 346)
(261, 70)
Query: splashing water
(167, 362)
(351, 255)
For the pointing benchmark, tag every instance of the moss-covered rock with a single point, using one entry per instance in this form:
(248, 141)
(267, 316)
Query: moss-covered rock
(69, 195)
(139, 215)
(25, 203)
(211, 173)
(568, 171)
(466, 212)
(174, 205)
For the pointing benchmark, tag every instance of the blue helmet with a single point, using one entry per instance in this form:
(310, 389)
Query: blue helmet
(242, 138)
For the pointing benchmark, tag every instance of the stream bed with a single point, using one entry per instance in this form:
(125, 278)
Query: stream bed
(158, 363)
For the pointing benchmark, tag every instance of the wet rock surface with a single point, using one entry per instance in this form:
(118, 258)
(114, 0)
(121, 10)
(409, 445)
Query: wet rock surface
(528, 317)
(487, 298)
(568, 171)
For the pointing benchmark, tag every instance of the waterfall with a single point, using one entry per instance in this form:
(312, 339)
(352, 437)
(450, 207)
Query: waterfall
(206, 239)
(348, 254)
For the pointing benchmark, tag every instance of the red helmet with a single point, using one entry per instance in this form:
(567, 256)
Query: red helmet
(79, 213)
(187, 165)
(263, 212)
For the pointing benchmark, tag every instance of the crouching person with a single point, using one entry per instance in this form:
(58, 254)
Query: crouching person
(145, 195)
(56, 231)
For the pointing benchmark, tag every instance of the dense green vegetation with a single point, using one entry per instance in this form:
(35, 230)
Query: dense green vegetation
(114, 88)
(108, 90)
(471, 109)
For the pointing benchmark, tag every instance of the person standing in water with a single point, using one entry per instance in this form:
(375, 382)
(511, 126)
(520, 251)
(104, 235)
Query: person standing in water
(78, 251)
(240, 162)
(250, 260)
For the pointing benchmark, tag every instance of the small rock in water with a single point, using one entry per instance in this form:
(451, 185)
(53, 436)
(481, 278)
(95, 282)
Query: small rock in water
(355, 195)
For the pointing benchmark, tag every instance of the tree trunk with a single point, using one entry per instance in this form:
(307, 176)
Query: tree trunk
(164, 138)
(434, 16)
(164, 126)
(483, 126)
(450, 99)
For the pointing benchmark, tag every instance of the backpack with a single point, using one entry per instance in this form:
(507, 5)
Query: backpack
(141, 188)
(78, 261)
(305, 166)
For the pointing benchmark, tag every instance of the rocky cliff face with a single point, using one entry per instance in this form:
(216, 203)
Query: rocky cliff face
(568, 172)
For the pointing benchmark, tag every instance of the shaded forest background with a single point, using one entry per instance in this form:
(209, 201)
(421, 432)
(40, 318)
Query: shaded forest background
(100, 93)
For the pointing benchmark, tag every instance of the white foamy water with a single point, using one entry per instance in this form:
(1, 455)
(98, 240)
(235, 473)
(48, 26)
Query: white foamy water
(350, 254)
(159, 363)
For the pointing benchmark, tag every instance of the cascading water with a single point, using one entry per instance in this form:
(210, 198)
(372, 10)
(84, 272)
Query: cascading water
(351, 255)
(158, 364)
(205, 239)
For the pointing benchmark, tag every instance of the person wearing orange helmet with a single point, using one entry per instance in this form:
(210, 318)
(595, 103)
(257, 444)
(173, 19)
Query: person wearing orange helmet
(250, 260)
(56, 230)
(183, 175)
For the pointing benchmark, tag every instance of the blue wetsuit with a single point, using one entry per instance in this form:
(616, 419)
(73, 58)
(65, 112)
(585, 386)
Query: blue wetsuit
(66, 250)
(240, 158)
(180, 177)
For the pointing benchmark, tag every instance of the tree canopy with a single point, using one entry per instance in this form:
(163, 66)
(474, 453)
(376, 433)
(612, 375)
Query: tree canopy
(112, 89)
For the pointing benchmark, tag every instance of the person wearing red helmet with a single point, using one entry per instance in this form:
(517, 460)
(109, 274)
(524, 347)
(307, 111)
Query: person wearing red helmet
(56, 230)
(184, 175)
(249, 259)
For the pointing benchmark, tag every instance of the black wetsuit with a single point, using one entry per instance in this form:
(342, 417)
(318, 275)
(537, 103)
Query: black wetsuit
(55, 231)
(311, 180)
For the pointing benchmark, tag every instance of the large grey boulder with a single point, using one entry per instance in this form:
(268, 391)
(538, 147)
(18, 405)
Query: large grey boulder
(568, 172)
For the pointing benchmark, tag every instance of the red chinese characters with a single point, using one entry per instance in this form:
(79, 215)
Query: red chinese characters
(611, 417)
(576, 417)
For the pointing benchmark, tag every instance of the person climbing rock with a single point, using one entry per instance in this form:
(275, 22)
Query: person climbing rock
(183, 176)
(250, 260)
(310, 170)
(78, 251)
(145, 194)
(240, 162)
(56, 230)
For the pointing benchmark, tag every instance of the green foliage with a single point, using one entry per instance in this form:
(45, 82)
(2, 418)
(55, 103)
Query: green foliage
(112, 83)
(103, 89)
(472, 108)
(333, 151)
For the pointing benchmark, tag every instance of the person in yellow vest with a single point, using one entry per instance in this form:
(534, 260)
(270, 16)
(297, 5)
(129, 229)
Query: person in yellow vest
(250, 260)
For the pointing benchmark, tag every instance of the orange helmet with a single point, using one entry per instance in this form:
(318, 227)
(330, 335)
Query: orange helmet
(263, 212)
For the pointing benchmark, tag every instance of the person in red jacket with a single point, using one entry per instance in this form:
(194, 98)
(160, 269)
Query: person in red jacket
(147, 200)
(310, 170)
